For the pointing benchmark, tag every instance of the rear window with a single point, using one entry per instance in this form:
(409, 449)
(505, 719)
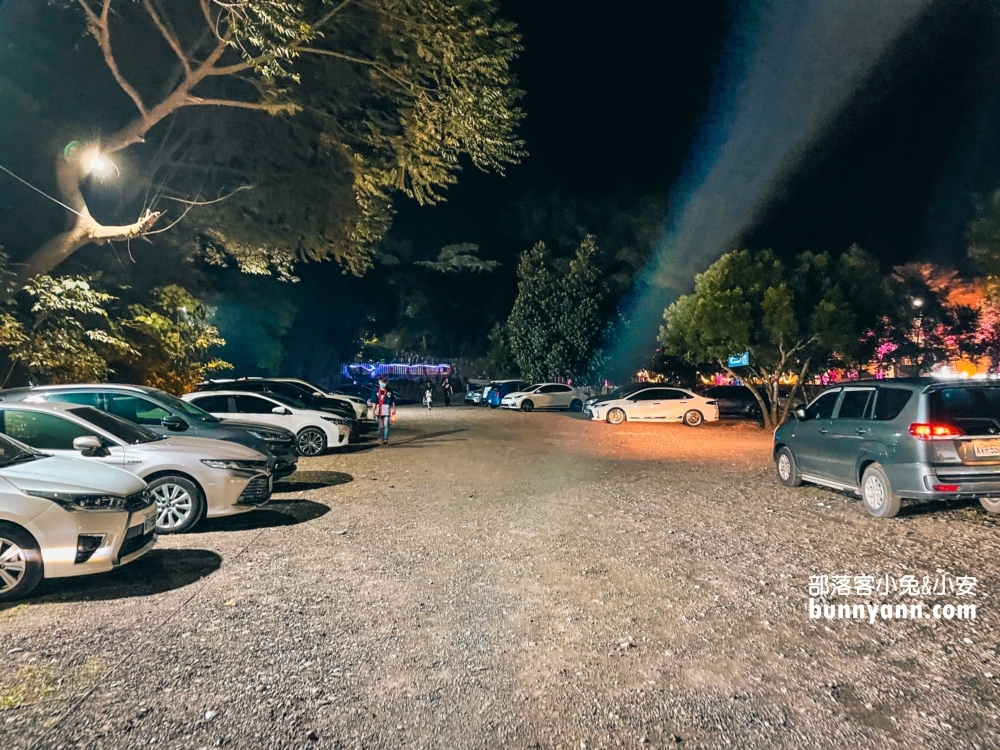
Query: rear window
(976, 410)
(890, 402)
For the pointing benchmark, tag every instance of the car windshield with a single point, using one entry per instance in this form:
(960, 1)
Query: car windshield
(976, 410)
(127, 432)
(13, 452)
(188, 409)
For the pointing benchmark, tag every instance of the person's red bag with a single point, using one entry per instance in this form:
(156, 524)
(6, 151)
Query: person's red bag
(392, 418)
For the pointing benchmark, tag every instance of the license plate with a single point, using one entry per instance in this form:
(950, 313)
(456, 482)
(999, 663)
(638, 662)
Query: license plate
(986, 449)
(150, 523)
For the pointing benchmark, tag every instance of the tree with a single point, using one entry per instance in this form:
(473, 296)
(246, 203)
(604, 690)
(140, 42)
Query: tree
(499, 359)
(554, 327)
(392, 93)
(792, 320)
(172, 341)
(66, 335)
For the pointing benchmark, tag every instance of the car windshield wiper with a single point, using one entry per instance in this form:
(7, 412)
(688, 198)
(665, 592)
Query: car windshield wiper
(26, 457)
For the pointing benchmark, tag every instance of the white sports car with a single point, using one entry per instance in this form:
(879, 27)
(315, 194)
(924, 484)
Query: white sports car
(655, 404)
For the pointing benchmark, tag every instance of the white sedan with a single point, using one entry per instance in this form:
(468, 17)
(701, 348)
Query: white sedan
(64, 517)
(655, 404)
(544, 396)
(315, 431)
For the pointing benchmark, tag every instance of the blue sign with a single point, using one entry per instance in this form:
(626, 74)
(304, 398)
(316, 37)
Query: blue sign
(739, 360)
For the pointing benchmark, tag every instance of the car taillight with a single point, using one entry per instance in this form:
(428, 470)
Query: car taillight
(934, 431)
(945, 488)
(712, 403)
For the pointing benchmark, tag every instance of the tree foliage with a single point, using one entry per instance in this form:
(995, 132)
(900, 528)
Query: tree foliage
(793, 318)
(554, 328)
(172, 341)
(66, 334)
(369, 98)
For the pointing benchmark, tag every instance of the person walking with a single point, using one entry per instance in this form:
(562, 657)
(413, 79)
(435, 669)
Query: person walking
(429, 395)
(448, 390)
(384, 403)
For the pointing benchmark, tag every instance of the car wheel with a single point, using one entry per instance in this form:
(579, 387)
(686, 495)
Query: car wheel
(311, 441)
(616, 416)
(527, 405)
(693, 418)
(179, 502)
(788, 472)
(876, 492)
(494, 406)
(992, 504)
(577, 405)
(20, 563)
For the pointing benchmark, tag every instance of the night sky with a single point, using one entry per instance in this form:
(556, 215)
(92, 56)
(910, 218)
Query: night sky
(615, 100)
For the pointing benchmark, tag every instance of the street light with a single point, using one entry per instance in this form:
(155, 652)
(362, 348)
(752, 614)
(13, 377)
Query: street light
(918, 302)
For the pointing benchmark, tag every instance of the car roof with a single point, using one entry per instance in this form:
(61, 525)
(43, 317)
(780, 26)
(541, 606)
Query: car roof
(211, 394)
(87, 387)
(42, 405)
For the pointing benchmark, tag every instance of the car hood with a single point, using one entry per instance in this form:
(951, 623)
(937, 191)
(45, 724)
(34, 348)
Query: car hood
(515, 394)
(203, 448)
(239, 424)
(72, 475)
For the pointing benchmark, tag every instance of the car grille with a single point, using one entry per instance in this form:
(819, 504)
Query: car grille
(138, 501)
(256, 492)
(135, 542)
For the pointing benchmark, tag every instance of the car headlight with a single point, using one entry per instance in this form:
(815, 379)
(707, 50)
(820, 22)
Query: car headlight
(218, 463)
(81, 501)
(268, 435)
(337, 420)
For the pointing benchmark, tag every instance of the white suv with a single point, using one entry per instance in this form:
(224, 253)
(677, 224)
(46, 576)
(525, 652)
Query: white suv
(189, 478)
(66, 517)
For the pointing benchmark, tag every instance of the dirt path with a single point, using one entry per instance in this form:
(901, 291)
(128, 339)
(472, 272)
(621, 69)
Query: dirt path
(516, 580)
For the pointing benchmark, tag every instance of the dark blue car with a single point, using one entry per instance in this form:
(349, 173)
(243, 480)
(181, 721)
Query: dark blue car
(500, 388)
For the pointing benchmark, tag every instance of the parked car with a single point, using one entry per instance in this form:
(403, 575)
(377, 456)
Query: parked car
(545, 396)
(165, 414)
(655, 404)
(314, 398)
(364, 392)
(189, 478)
(64, 517)
(734, 401)
(500, 388)
(315, 431)
(915, 438)
(474, 394)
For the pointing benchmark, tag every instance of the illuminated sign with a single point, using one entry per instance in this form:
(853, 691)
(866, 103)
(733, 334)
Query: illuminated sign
(372, 370)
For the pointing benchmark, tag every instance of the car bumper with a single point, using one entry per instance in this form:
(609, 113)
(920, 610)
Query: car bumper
(124, 538)
(228, 493)
(925, 482)
(505, 404)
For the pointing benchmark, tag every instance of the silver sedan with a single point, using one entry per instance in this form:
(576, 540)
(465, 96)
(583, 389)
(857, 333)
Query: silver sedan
(189, 478)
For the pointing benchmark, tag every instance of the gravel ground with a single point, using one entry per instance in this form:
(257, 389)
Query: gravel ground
(516, 580)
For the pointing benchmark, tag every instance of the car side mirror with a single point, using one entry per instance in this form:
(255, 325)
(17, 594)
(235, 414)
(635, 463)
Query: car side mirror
(90, 445)
(280, 410)
(174, 424)
(800, 414)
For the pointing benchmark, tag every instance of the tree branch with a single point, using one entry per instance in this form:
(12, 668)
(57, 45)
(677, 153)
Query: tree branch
(172, 40)
(100, 30)
(272, 108)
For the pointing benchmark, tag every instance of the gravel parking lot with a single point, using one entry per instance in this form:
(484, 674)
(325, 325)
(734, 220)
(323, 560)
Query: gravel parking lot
(517, 580)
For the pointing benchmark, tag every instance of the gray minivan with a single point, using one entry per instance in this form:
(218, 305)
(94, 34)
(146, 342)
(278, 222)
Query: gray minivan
(886, 440)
